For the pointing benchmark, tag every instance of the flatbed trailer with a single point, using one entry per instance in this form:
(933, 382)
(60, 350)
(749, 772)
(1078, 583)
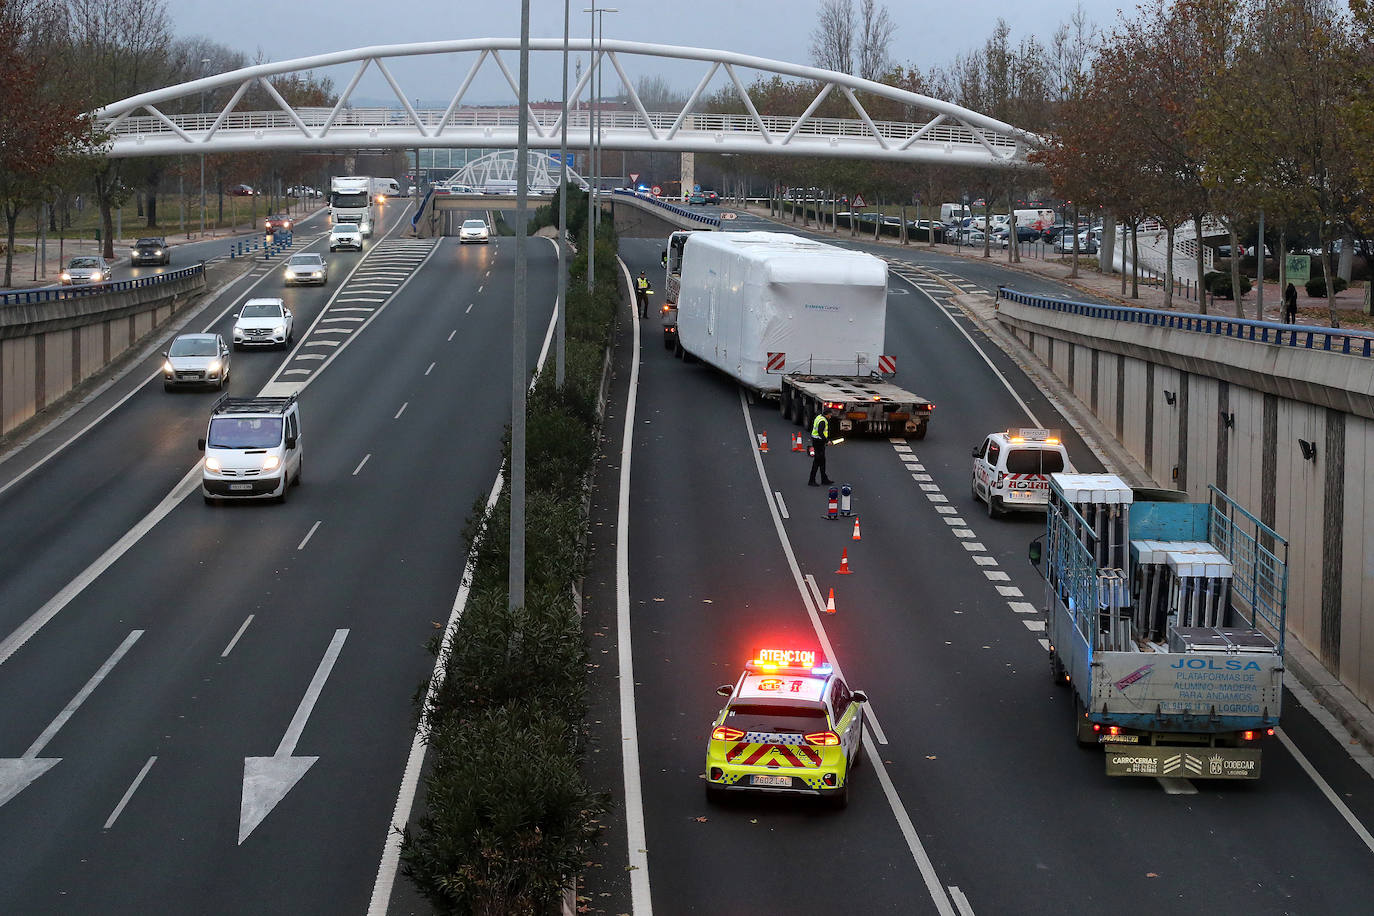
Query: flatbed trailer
(1166, 622)
(867, 405)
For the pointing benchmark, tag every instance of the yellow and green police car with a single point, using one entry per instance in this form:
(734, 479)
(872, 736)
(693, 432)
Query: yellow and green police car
(792, 725)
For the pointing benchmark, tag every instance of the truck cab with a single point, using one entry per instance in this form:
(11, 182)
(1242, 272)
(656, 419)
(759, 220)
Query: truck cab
(1011, 469)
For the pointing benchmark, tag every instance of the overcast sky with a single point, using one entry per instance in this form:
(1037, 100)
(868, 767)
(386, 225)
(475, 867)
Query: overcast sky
(928, 33)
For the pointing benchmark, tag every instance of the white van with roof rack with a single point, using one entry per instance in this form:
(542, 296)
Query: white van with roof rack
(252, 449)
(1011, 469)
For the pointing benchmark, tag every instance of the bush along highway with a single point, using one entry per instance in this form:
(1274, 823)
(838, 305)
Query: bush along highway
(508, 819)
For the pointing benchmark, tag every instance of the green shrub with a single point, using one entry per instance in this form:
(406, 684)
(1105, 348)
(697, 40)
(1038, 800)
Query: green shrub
(508, 816)
(1316, 287)
(1218, 283)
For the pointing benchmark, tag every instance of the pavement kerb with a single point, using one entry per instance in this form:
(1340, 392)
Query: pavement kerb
(62, 409)
(1326, 688)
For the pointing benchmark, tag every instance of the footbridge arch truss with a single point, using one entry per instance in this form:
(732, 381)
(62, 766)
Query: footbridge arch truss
(938, 132)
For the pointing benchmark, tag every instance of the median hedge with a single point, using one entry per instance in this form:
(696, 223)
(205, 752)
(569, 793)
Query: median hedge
(509, 819)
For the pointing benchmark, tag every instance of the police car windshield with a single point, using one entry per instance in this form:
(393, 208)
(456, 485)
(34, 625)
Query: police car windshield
(756, 717)
(1035, 461)
(244, 432)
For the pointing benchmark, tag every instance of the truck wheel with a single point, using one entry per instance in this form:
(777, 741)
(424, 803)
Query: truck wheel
(920, 432)
(785, 405)
(668, 342)
(677, 349)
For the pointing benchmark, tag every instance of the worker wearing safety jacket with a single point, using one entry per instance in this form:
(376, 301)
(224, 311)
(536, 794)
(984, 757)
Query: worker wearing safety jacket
(642, 294)
(820, 435)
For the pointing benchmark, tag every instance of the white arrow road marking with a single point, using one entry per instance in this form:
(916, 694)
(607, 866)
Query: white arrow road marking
(17, 773)
(266, 780)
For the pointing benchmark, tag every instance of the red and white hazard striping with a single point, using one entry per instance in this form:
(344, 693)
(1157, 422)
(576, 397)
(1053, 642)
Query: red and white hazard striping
(787, 755)
(977, 552)
(887, 365)
(777, 362)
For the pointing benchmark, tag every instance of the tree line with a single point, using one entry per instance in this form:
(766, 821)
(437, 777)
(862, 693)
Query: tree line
(62, 59)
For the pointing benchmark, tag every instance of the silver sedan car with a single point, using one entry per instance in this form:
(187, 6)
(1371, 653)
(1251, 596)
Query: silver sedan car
(196, 359)
(86, 269)
(306, 267)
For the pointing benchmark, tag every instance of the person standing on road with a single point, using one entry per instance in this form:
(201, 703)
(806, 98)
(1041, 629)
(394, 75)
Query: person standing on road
(642, 294)
(820, 437)
(1290, 304)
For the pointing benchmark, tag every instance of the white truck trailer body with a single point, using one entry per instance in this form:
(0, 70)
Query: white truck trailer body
(746, 295)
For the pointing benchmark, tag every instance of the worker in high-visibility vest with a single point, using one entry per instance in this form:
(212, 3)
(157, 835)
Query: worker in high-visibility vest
(642, 294)
(820, 437)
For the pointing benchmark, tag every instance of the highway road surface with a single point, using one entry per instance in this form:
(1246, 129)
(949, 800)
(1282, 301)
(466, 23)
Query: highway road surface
(974, 796)
(209, 709)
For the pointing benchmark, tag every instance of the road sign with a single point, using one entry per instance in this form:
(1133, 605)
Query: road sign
(859, 201)
(727, 216)
(634, 176)
(657, 190)
(696, 188)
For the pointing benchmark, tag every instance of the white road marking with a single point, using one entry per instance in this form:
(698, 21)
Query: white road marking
(1341, 807)
(308, 356)
(960, 901)
(410, 780)
(918, 852)
(321, 343)
(480, 288)
(295, 372)
(133, 787)
(366, 309)
(465, 311)
(972, 545)
(1008, 591)
(996, 575)
(430, 369)
(349, 319)
(17, 773)
(937, 497)
(954, 521)
(1044, 644)
(266, 780)
(1022, 607)
(401, 411)
(1035, 626)
(985, 560)
(922, 478)
(929, 487)
(946, 510)
(309, 534)
(361, 463)
(963, 532)
(782, 506)
(451, 333)
(243, 628)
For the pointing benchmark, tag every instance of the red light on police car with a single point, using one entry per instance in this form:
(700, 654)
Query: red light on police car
(725, 733)
(823, 739)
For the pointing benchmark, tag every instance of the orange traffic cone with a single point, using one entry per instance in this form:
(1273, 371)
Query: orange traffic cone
(830, 603)
(797, 444)
(763, 442)
(856, 531)
(844, 569)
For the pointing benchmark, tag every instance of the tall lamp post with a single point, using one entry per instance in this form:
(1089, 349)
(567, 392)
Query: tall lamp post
(201, 125)
(594, 139)
(563, 210)
(519, 381)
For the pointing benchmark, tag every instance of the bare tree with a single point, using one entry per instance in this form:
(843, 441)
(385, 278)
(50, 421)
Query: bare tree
(875, 39)
(832, 41)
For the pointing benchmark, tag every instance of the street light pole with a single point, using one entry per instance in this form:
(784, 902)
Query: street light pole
(519, 382)
(201, 126)
(594, 139)
(563, 210)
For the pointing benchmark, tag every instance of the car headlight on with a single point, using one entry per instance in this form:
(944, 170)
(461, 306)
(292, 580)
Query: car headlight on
(157, 252)
(133, 251)
(290, 274)
(96, 275)
(212, 369)
(211, 463)
(167, 367)
(279, 329)
(66, 276)
(270, 462)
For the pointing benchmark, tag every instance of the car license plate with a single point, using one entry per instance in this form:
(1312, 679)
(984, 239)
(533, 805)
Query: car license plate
(240, 486)
(784, 782)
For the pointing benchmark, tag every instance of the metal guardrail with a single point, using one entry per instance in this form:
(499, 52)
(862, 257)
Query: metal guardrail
(1297, 336)
(419, 211)
(712, 221)
(62, 293)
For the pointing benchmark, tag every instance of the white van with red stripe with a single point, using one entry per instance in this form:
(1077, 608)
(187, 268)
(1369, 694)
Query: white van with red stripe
(1011, 469)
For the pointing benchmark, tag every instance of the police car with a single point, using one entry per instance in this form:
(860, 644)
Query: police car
(792, 725)
(1011, 469)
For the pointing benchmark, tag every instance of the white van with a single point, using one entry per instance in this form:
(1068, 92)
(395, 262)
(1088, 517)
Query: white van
(1011, 469)
(252, 449)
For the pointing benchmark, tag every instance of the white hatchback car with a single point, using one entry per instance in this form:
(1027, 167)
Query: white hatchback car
(263, 323)
(474, 230)
(196, 359)
(306, 267)
(346, 235)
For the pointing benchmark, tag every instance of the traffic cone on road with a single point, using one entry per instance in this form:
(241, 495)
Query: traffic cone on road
(797, 444)
(763, 442)
(856, 531)
(844, 569)
(830, 603)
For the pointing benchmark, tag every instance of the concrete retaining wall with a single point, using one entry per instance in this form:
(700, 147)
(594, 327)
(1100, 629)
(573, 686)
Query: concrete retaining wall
(1197, 409)
(47, 349)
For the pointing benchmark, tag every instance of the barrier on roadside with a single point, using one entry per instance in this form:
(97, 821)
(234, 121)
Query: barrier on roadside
(59, 294)
(1300, 336)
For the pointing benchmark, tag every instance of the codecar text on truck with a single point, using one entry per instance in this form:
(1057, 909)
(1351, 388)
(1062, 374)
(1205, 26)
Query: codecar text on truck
(1166, 620)
(791, 318)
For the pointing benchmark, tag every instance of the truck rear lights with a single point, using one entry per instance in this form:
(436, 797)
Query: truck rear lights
(1114, 729)
(823, 739)
(725, 733)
